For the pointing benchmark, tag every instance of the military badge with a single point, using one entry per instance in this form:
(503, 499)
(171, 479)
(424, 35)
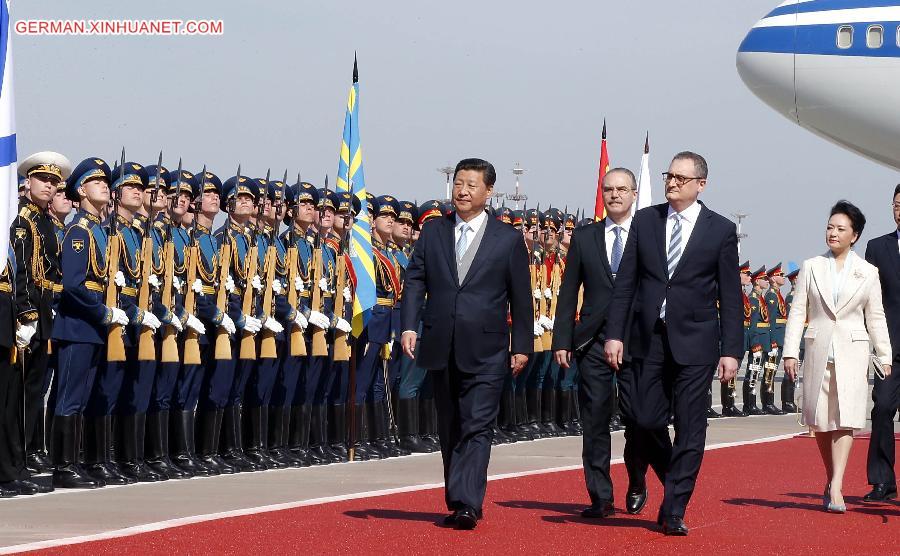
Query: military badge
(20, 233)
(78, 245)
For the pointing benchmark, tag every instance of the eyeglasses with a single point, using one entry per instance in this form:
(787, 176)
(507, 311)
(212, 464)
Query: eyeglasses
(619, 190)
(679, 179)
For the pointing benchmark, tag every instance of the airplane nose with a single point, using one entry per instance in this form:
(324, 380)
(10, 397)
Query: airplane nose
(765, 62)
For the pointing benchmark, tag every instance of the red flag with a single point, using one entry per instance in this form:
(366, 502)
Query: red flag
(599, 209)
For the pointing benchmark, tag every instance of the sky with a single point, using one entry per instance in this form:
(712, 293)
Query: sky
(513, 82)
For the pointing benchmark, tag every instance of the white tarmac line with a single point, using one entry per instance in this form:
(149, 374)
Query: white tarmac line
(178, 522)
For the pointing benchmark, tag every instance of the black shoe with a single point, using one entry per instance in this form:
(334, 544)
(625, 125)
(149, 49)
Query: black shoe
(37, 463)
(753, 410)
(466, 519)
(108, 475)
(635, 500)
(70, 476)
(598, 511)
(712, 413)
(450, 520)
(165, 466)
(7, 491)
(26, 488)
(673, 526)
(789, 407)
(414, 444)
(140, 472)
(732, 411)
(881, 493)
(771, 409)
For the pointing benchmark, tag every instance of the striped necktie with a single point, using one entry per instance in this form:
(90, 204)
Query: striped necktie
(618, 247)
(674, 255)
(463, 242)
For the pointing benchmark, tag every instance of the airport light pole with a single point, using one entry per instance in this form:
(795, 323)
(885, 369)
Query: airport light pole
(740, 216)
(517, 196)
(447, 171)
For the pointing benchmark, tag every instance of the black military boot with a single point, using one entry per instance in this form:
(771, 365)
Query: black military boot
(788, 388)
(279, 431)
(184, 452)
(337, 430)
(710, 412)
(368, 433)
(316, 442)
(323, 410)
(380, 430)
(157, 448)
(36, 460)
(522, 431)
(209, 429)
(728, 407)
(769, 406)
(303, 433)
(750, 407)
(258, 452)
(231, 447)
(533, 412)
(97, 444)
(508, 415)
(565, 412)
(548, 413)
(298, 438)
(66, 471)
(361, 451)
(576, 414)
(428, 428)
(408, 425)
(129, 445)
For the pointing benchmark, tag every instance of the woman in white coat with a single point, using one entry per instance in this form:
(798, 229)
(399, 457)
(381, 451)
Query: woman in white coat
(839, 294)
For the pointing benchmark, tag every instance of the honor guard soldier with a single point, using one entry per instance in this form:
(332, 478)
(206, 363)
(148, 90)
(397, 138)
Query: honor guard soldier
(36, 248)
(202, 264)
(545, 379)
(227, 374)
(568, 413)
(276, 315)
(290, 378)
(788, 386)
(778, 313)
(759, 342)
(728, 389)
(83, 319)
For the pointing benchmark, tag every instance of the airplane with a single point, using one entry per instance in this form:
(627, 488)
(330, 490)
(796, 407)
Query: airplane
(833, 67)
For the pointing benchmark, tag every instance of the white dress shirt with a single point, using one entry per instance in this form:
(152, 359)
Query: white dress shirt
(611, 235)
(688, 220)
(475, 224)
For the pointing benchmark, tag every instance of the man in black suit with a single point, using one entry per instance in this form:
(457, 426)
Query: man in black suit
(884, 253)
(677, 267)
(593, 260)
(470, 272)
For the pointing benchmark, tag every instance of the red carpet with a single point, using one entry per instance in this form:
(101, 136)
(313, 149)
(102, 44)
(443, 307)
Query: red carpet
(764, 497)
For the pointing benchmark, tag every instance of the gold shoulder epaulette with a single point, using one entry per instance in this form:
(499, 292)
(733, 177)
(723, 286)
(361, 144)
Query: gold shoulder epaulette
(25, 212)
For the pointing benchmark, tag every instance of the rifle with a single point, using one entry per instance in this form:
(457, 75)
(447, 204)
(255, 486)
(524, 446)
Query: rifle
(170, 336)
(267, 348)
(192, 339)
(298, 343)
(223, 340)
(341, 343)
(319, 345)
(248, 340)
(115, 343)
(146, 346)
(539, 279)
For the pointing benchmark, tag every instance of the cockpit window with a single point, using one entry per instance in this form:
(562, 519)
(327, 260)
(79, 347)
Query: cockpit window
(845, 36)
(875, 36)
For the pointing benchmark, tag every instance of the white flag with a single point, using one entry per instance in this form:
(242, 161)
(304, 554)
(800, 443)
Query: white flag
(645, 184)
(9, 183)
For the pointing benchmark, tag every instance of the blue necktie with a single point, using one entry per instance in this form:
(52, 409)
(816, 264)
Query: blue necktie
(463, 242)
(617, 248)
(674, 255)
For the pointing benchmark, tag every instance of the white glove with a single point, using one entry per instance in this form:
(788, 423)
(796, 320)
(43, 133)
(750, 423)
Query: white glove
(24, 333)
(537, 293)
(343, 326)
(176, 324)
(196, 325)
(273, 325)
(298, 284)
(197, 286)
(323, 284)
(256, 282)
(229, 284)
(154, 281)
(276, 287)
(348, 295)
(150, 321)
(390, 346)
(301, 321)
(119, 280)
(319, 320)
(252, 324)
(177, 283)
(548, 293)
(119, 316)
(538, 329)
(545, 322)
(228, 324)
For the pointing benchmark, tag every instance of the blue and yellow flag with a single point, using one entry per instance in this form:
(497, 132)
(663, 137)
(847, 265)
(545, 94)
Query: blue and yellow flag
(351, 178)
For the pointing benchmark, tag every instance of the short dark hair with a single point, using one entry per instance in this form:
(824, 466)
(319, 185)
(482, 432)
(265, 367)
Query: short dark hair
(851, 211)
(896, 190)
(477, 164)
(628, 173)
(699, 163)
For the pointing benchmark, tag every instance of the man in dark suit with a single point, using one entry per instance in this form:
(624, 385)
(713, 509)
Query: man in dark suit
(884, 253)
(593, 260)
(470, 272)
(677, 267)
